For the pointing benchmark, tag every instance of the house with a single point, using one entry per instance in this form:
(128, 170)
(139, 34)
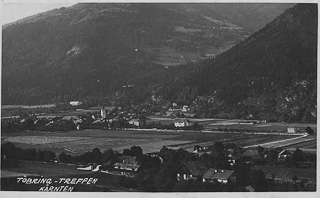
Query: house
(75, 119)
(292, 129)
(233, 158)
(200, 150)
(283, 155)
(135, 122)
(191, 170)
(219, 175)
(127, 163)
(75, 103)
(252, 153)
(155, 155)
(182, 123)
(185, 108)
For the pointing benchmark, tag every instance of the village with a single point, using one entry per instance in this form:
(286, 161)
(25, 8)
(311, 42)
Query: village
(219, 166)
(172, 117)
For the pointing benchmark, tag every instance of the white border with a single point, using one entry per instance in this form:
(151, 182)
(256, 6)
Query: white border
(7, 194)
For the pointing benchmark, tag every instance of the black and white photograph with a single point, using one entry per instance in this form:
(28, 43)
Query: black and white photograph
(175, 97)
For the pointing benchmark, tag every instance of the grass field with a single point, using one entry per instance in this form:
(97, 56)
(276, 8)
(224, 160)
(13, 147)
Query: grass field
(237, 125)
(77, 142)
(309, 145)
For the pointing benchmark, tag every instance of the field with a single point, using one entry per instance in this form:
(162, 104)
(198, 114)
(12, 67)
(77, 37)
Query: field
(215, 124)
(309, 146)
(15, 168)
(4, 107)
(77, 142)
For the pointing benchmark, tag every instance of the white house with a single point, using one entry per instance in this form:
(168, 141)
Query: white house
(135, 122)
(292, 129)
(75, 103)
(185, 108)
(182, 123)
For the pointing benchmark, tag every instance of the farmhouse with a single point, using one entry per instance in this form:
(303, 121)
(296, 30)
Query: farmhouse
(75, 103)
(200, 150)
(155, 155)
(219, 175)
(135, 122)
(185, 108)
(283, 155)
(292, 129)
(252, 153)
(233, 158)
(182, 123)
(127, 163)
(191, 171)
(74, 119)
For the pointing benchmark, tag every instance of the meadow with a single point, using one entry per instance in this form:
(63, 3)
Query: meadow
(78, 142)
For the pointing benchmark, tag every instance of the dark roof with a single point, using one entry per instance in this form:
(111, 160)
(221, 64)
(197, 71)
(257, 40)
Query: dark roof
(127, 159)
(123, 166)
(217, 174)
(196, 168)
(251, 152)
(285, 152)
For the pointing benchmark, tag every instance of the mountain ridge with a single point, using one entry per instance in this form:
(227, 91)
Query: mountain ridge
(40, 53)
(276, 66)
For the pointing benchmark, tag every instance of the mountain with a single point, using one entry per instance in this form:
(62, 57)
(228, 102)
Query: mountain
(270, 75)
(94, 50)
(252, 16)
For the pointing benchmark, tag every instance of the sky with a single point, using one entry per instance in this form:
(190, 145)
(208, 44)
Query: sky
(15, 10)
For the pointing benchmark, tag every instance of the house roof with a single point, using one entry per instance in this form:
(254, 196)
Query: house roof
(182, 120)
(217, 174)
(70, 117)
(251, 152)
(124, 166)
(284, 152)
(127, 159)
(196, 168)
(235, 156)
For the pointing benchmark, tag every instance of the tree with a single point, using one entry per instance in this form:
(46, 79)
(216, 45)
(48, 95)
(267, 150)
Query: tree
(309, 130)
(196, 126)
(29, 124)
(96, 155)
(294, 178)
(63, 157)
(136, 150)
(8, 150)
(218, 146)
(258, 179)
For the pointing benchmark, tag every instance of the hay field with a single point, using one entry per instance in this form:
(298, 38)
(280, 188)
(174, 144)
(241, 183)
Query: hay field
(78, 142)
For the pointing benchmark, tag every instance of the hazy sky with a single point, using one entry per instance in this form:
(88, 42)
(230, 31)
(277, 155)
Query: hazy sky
(14, 10)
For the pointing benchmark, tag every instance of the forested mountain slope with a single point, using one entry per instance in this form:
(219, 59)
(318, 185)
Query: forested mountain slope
(90, 51)
(270, 75)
